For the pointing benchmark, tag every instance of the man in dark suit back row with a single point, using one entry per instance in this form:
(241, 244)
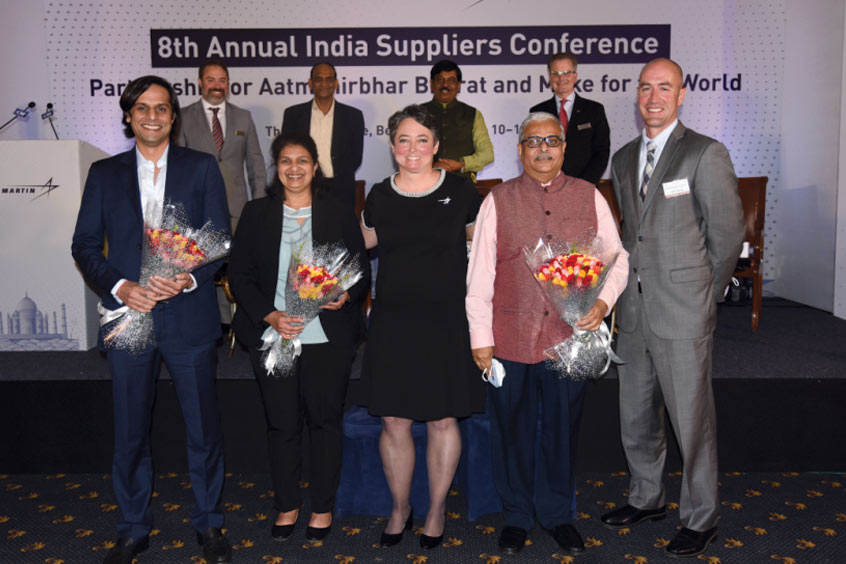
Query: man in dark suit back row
(337, 129)
(587, 134)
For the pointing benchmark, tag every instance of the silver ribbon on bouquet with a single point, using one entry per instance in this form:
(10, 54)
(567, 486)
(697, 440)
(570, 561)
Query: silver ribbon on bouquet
(280, 354)
(126, 329)
(587, 354)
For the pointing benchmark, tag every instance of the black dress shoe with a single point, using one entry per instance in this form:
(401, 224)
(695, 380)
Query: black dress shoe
(512, 539)
(390, 539)
(282, 532)
(317, 533)
(568, 538)
(125, 550)
(629, 516)
(428, 543)
(216, 549)
(689, 543)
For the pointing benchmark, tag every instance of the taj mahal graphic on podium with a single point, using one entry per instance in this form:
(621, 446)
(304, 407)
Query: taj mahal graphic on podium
(29, 329)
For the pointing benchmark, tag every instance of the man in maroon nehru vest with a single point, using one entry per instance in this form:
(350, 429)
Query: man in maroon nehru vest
(510, 319)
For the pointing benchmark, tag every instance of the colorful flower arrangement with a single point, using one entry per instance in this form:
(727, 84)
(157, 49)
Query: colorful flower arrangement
(175, 248)
(571, 276)
(317, 275)
(313, 281)
(575, 270)
(170, 246)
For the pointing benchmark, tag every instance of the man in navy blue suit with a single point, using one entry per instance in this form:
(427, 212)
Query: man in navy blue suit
(121, 193)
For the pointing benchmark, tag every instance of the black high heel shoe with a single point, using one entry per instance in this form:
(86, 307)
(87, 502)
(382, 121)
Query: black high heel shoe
(389, 539)
(282, 532)
(427, 542)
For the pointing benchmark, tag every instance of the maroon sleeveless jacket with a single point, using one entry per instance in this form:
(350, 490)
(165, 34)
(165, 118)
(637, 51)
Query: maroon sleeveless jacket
(524, 322)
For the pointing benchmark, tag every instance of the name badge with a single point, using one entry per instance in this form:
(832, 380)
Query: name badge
(582, 126)
(676, 188)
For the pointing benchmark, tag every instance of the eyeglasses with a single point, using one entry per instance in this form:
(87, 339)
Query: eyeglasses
(551, 141)
(562, 73)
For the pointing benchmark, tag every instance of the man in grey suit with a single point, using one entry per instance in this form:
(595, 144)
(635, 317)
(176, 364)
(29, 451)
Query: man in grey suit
(683, 228)
(224, 130)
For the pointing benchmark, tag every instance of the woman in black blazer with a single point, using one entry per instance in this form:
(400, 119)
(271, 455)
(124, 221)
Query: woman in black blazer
(296, 212)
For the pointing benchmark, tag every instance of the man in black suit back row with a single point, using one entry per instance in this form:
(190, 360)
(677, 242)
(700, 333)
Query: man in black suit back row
(587, 134)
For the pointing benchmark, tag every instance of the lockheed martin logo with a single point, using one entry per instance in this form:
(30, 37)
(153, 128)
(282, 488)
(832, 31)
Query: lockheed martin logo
(36, 190)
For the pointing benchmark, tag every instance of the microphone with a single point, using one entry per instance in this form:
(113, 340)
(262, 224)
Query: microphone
(48, 115)
(19, 113)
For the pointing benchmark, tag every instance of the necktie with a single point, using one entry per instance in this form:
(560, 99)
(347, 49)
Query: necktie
(217, 132)
(650, 166)
(562, 115)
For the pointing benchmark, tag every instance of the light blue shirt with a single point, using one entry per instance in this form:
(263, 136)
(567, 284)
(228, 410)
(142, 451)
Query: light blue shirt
(660, 140)
(295, 236)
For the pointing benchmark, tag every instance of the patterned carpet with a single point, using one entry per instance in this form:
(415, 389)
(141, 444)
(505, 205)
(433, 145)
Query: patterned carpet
(791, 518)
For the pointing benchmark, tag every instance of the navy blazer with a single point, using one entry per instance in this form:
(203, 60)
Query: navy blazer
(110, 219)
(254, 266)
(588, 138)
(347, 136)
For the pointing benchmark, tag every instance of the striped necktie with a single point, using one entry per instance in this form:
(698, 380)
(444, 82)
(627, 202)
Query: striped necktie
(217, 132)
(650, 166)
(562, 115)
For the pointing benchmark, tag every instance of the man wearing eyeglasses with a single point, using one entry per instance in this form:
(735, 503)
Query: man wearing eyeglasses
(465, 147)
(510, 319)
(587, 134)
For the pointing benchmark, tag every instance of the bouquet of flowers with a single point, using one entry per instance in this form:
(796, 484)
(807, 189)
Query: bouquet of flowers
(571, 276)
(169, 247)
(316, 277)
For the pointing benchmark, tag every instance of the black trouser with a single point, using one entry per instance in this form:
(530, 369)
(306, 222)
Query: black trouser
(314, 395)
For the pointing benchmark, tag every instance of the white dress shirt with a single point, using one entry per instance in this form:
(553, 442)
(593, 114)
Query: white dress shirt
(321, 132)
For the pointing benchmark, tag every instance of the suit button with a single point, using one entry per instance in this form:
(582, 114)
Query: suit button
(548, 212)
(640, 237)
(546, 189)
(546, 313)
(634, 270)
(549, 236)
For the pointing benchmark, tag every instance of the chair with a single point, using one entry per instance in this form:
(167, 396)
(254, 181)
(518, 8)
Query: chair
(606, 188)
(221, 279)
(753, 196)
(484, 185)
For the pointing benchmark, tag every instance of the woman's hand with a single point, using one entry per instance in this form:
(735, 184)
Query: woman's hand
(288, 327)
(337, 304)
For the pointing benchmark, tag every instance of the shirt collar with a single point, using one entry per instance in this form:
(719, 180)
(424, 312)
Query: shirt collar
(316, 108)
(143, 162)
(660, 139)
(207, 107)
(571, 97)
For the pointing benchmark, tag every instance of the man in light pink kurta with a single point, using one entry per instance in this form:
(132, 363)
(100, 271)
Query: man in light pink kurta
(510, 318)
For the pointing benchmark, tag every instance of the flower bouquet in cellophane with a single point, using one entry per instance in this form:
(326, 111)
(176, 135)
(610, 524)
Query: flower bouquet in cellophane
(571, 275)
(316, 277)
(169, 247)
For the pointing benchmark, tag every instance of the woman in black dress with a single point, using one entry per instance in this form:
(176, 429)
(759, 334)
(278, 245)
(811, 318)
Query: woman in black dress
(296, 215)
(418, 364)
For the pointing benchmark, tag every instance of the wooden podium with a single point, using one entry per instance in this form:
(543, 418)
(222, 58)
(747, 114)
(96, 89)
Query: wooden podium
(44, 302)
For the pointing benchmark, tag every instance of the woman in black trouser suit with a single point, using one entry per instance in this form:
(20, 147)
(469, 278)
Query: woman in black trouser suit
(270, 229)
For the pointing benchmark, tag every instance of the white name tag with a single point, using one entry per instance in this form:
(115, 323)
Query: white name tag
(676, 188)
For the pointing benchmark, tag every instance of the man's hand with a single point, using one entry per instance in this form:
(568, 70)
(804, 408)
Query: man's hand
(166, 288)
(449, 165)
(594, 317)
(483, 356)
(337, 304)
(137, 297)
(288, 327)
